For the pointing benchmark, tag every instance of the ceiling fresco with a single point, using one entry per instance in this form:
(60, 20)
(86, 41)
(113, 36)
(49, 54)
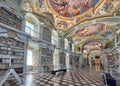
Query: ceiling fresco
(93, 45)
(69, 13)
(90, 30)
(78, 20)
(71, 8)
(40, 3)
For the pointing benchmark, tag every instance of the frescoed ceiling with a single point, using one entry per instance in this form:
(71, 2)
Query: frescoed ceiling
(79, 20)
(91, 46)
(90, 30)
(69, 13)
(71, 8)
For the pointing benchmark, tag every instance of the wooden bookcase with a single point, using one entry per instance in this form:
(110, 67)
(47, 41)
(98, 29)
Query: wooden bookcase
(112, 60)
(62, 60)
(46, 59)
(10, 19)
(76, 61)
(14, 49)
(47, 33)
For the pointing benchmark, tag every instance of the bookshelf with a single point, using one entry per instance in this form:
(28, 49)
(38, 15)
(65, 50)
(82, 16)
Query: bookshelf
(62, 43)
(76, 61)
(14, 49)
(62, 60)
(10, 19)
(71, 60)
(47, 34)
(70, 46)
(113, 60)
(46, 59)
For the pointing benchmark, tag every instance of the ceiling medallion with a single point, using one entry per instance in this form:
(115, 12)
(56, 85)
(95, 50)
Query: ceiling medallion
(71, 8)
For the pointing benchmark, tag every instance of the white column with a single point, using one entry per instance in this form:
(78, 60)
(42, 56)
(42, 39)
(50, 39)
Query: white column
(25, 59)
(56, 59)
(67, 61)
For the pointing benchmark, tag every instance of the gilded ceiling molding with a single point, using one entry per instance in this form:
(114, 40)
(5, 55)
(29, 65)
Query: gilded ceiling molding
(92, 18)
(69, 22)
(65, 24)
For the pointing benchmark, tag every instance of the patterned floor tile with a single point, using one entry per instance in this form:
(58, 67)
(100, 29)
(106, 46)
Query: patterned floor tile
(71, 78)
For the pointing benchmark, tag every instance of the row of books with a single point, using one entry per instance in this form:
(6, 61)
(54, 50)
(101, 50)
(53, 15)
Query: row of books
(10, 19)
(6, 66)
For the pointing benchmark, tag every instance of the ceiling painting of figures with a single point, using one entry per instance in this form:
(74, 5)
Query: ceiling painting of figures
(40, 3)
(71, 8)
(90, 30)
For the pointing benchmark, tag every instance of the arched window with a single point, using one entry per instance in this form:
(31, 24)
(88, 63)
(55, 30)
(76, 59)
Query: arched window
(32, 25)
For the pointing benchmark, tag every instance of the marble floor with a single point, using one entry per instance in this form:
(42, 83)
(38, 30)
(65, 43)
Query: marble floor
(73, 77)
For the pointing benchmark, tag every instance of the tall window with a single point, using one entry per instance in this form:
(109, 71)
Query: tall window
(54, 37)
(29, 28)
(29, 57)
(66, 44)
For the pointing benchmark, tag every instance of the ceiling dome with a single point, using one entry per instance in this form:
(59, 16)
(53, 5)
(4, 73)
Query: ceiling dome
(71, 8)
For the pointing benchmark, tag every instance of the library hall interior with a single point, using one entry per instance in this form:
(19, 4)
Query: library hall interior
(59, 42)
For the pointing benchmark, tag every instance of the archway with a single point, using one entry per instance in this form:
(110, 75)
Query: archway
(95, 59)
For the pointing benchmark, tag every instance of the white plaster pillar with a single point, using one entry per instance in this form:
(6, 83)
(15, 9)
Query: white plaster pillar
(67, 61)
(25, 59)
(115, 40)
(56, 59)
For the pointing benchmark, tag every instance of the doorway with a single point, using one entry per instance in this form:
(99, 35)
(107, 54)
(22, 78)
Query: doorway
(97, 63)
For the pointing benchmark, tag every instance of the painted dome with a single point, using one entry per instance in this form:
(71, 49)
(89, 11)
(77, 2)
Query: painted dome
(71, 8)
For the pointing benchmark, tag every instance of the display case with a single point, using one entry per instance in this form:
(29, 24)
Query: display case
(13, 49)
(46, 59)
(9, 18)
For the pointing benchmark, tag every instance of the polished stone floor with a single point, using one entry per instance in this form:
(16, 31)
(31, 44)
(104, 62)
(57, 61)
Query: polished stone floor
(74, 77)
